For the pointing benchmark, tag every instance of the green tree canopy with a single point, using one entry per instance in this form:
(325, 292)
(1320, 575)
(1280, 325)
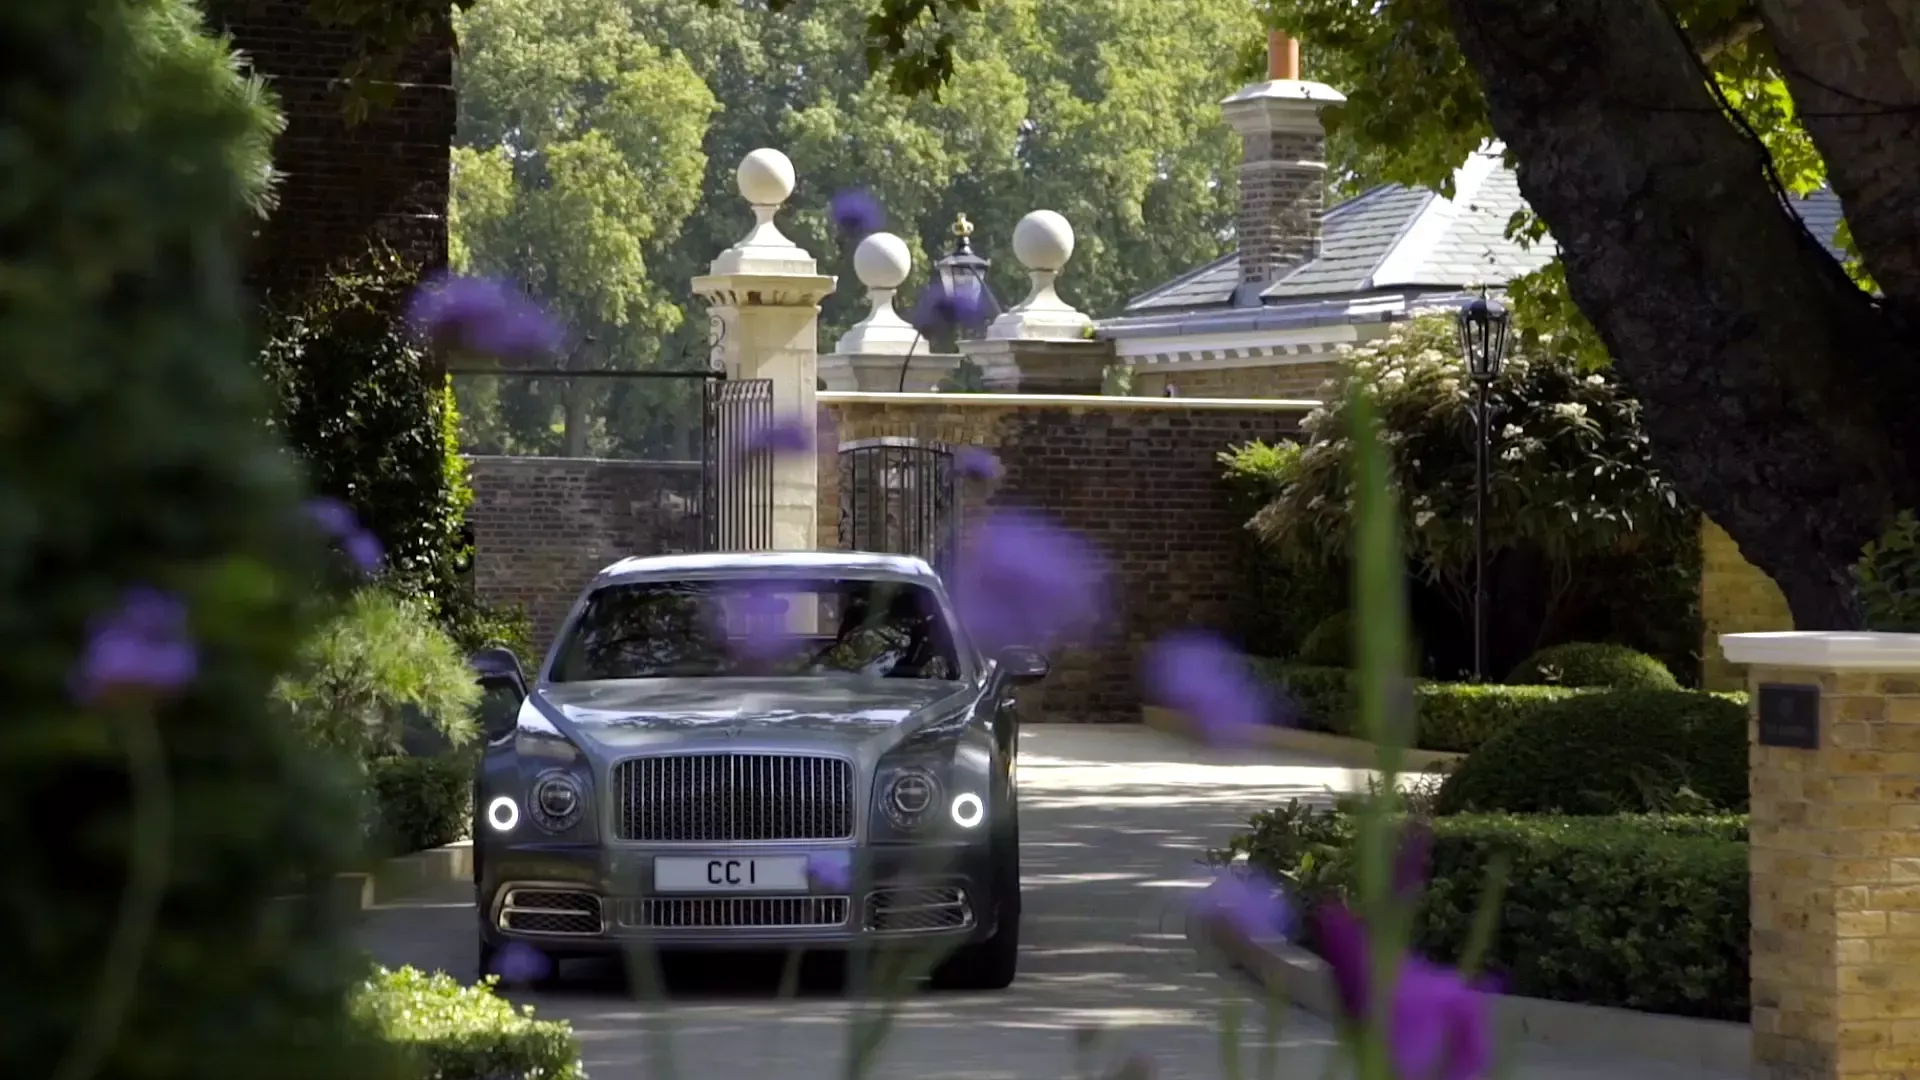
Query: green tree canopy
(1659, 143)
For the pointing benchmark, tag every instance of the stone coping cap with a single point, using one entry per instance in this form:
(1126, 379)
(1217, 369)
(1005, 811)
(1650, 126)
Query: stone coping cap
(1055, 401)
(1841, 650)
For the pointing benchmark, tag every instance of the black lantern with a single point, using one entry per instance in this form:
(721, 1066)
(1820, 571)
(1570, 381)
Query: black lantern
(963, 279)
(1483, 337)
(1483, 344)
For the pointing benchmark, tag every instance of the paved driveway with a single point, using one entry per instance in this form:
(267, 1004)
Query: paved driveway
(1113, 819)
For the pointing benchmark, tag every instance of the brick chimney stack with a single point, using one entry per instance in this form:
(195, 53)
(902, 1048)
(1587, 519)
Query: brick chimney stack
(1283, 164)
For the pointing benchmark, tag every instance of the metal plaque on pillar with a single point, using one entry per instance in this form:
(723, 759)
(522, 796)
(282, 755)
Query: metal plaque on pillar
(1789, 716)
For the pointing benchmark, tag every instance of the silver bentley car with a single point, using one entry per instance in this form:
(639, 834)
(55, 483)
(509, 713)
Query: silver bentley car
(755, 751)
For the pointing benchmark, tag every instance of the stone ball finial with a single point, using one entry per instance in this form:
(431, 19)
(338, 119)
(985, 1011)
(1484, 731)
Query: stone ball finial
(765, 177)
(882, 261)
(1043, 241)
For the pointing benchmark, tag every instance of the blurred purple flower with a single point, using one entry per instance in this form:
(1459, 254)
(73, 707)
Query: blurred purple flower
(341, 525)
(1022, 580)
(757, 615)
(518, 962)
(787, 435)
(1207, 680)
(856, 213)
(1250, 905)
(831, 871)
(973, 463)
(142, 646)
(1440, 1025)
(482, 315)
(938, 310)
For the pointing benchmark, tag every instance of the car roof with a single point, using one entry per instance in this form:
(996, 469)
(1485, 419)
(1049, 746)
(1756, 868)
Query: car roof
(722, 564)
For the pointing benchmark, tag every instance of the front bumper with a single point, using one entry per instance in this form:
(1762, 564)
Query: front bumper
(575, 900)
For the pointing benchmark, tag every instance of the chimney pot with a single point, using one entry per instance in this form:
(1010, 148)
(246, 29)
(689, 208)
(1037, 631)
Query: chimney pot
(1283, 56)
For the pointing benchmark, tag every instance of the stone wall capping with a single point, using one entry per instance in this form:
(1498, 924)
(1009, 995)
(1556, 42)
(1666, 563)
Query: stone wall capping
(1836, 650)
(1064, 401)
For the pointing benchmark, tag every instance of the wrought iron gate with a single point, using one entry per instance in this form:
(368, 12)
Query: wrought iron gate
(736, 483)
(900, 496)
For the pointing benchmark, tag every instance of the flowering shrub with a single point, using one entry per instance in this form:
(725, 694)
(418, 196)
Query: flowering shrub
(152, 551)
(1575, 505)
(452, 1032)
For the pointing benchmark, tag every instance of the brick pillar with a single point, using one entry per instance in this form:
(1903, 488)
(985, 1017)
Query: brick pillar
(1835, 780)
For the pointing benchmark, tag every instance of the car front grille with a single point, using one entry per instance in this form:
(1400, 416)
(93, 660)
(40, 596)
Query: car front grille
(551, 911)
(908, 911)
(733, 797)
(692, 913)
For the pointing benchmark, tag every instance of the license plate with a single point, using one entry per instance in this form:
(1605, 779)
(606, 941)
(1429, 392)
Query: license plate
(722, 874)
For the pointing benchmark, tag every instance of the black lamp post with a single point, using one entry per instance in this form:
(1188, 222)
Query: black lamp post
(1483, 342)
(963, 276)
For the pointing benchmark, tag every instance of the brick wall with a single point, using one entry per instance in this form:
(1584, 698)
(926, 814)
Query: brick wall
(1283, 184)
(544, 526)
(1138, 476)
(1292, 381)
(342, 185)
(1735, 598)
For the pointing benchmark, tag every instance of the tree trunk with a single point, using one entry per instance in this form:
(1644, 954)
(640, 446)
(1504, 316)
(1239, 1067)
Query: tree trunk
(1776, 393)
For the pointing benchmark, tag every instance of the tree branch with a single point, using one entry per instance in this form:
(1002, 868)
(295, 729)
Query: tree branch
(1721, 38)
(1773, 387)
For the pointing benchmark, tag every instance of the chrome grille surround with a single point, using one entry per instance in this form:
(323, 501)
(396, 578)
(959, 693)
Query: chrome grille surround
(551, 911)
(733, 798)
(715, 912)
(918, 909)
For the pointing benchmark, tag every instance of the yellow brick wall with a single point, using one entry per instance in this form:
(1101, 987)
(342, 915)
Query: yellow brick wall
(1299, 381)
(1835, 852)
(1735, 598)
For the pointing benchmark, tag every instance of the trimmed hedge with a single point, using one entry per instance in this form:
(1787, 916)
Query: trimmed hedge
(1456, 717)
(1591, 664)
(420, 802)
(1330, 642)
(1607, 752)
(455, 1032)
(1633, 911)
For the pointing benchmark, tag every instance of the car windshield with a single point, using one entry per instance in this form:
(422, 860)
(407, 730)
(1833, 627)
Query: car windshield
(788, 627)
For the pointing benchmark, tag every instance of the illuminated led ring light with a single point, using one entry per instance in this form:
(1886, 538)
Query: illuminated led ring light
(503, 813)
(968, 810)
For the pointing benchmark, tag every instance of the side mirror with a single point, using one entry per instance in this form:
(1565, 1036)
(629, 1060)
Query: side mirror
(503, 688)
(1019, 665)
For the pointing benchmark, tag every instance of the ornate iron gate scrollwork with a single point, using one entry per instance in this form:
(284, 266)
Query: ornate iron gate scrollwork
(900, 496)
(736, 482)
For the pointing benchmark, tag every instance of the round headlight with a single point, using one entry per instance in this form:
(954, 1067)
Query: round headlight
(557, 801)
(909, 795)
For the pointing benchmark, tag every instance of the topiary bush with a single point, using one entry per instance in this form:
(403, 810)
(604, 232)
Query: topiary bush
(420, 802)
(1330, 643)
(447, 1031)
(1593, 665)
(154, 561)
(1642, 912)
(1608, 752)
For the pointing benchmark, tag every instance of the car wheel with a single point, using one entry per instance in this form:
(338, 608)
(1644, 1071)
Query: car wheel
(992, 964)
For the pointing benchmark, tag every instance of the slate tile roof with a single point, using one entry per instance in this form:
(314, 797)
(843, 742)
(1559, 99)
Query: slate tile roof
(1422, 241)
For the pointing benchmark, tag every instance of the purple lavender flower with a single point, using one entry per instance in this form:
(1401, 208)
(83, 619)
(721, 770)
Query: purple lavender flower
(342, 525)
(787, 435)
(1022, 580)
(518, 962)
(482, 315)
(763, 612)
(1250, 905)
(856, 214)
(139, 647)
(830, 871)
(1440, 1025)
(1200, 676)
(973, 463)
(939, 310)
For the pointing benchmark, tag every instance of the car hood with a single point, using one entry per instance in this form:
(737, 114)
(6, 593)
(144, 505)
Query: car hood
(866, 716)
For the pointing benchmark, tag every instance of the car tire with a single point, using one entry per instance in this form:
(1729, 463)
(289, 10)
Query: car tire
(993, 963)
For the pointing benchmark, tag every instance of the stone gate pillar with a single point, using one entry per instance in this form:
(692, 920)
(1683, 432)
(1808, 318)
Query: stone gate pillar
(1042, 345)
(1834, 772)
(763, 296)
